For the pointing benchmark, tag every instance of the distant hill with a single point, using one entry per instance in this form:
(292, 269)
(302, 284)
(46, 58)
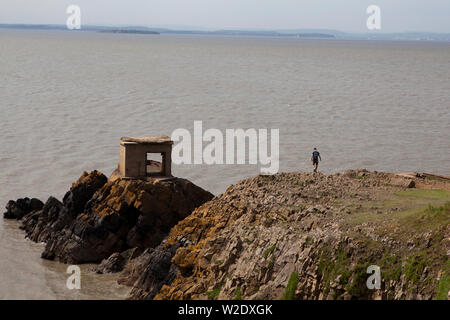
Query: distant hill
(129, 31)
(291, 33)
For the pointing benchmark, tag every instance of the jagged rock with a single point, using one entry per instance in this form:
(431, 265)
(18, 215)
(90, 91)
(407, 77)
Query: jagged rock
(19, 208)
(263, 231)
(150, 271)
(313, 234)
(38, 225)
(117, 261)
(82, 191)
(52, 217)
(98, 218)
(124, 214)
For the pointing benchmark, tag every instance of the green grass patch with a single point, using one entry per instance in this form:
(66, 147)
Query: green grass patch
(424, 194)
(413, 208)
(414, 266)
(271, 264)
(308, 241)
(330, 269)
(391, 266)
(269, 251)
(289, 293)
(213, 294)
(358, 286)
(237, 294)
(437, 179)
(444, 283)
(429, 219)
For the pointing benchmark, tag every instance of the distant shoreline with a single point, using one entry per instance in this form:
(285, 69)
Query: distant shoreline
(129, 31)
(300, 33)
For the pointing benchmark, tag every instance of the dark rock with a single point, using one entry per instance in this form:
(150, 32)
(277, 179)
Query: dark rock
(150, 271)
(17, 209)
(45, 224)
(37, 224)
(120, 215)
(82, 191)
(117, 261)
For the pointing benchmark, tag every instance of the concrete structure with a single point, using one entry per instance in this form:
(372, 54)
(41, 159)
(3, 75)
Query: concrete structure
(133, 156)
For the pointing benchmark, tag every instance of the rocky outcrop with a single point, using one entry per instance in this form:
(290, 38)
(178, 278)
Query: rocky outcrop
(43, 224)
(98, 218)
(287, 236)
(117, 261)
(304, 236)
(39, 225)
(19, 208)
(158, 268)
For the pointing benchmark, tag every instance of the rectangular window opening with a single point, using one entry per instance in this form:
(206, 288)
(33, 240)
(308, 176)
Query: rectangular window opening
(154, 164)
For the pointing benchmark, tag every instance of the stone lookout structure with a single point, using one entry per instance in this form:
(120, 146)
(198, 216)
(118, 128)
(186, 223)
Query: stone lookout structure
(135, 152)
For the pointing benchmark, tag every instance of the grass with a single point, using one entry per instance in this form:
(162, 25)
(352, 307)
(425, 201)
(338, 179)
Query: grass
(407, 223)
(330, 269)
(437, 179)
(237, 294)
(269, 251)
(404, 216)
(271, 264)
(358, 286)
(289, 293)
(430, 194)
(391, 265)
(213, 294)
(414, 267)
(429, 219)
(308, 241)
(404, 207)
(444, 283)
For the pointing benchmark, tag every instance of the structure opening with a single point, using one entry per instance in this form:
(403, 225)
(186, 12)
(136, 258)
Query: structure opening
(154, 164)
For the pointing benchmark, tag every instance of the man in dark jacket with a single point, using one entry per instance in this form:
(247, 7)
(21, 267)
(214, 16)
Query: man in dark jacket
(315, 159)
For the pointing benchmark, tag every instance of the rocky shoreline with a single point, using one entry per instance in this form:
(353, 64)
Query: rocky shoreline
(98, 217)
(287, 236)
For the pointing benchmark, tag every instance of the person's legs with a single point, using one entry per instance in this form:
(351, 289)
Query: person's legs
(315, 165)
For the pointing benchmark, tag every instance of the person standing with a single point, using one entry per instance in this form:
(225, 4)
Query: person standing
(315, 159)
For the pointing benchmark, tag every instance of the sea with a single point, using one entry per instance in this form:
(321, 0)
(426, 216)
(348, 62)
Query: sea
(67, 97)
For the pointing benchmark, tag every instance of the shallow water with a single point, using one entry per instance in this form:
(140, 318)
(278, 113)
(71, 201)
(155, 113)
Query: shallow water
(25, 276)
(67, 98)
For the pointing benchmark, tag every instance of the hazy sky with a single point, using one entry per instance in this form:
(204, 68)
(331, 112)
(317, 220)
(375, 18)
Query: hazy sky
(345, 15)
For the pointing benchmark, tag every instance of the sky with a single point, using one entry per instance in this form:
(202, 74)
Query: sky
(344, 15)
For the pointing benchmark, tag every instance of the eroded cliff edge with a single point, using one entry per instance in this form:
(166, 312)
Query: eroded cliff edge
(306, 236)
(287, 236)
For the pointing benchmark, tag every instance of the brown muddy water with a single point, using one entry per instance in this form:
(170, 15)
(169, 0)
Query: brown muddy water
(67, 97)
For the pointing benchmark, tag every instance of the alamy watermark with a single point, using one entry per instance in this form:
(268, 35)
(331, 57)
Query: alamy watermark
(374, 280)
(374, 20)
(74, 280)
(231, 150)
(73, 22)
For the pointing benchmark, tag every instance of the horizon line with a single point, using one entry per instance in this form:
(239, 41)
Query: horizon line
(207, 29)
